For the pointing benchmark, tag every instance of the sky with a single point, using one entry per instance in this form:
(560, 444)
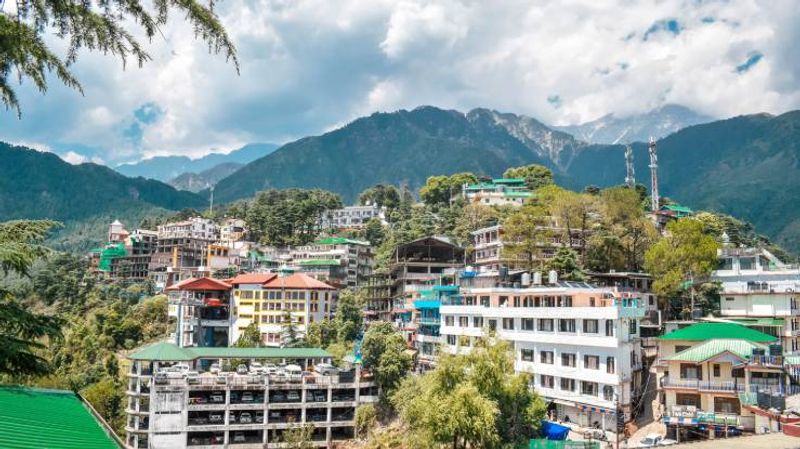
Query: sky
(310, 66)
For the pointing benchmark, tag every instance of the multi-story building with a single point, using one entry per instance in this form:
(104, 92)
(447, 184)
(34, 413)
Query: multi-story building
(182, 250)
(416, 266)
(135, 265)
(379, 299)
(266, 299)
(193, 228)
(428, 320)
(351, 217)
(581, 342)
(498, 192)
(488, 245)
(336, 260)
(704, 370)
(232, 230)
(203, 311)
(177, 399)
(760, 291)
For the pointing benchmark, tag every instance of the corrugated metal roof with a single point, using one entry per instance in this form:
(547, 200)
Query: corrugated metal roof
(341, 241)
(315, 262)
(170, 352)
(37, 418)
(427, 304)
(712, 348)
(709, 331)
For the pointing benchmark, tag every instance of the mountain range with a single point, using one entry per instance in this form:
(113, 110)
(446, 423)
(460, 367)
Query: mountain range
(744, 166)
(166, 168)
(657, 123)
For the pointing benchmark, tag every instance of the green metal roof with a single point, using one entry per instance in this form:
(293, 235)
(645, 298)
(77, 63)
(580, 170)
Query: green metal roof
(164, 351)
(678, 208)
(57, 419)
(509, 180)
(713, 348)
(340, 241)
(710, 331)
(518, 194)
(314, 262)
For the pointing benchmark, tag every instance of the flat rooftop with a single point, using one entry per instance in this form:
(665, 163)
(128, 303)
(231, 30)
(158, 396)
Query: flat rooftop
(163, 351)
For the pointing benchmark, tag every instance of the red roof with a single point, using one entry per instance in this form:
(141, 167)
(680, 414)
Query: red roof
(298, 281)
(204, 283)
(253, 278)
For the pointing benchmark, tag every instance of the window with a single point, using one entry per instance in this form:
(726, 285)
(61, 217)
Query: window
(609, 328)
(589, 388)
(691, 371)
(726, 405)
(591, 362)
(546, 324)
(687, 399)
(546, 381)
(463, 321)
(610, 365)
(565, 301)
(449, 320)
(527, 355)
(716, 370)
(747, 263)
(608, 393)
(567, 384)
(632, 327)
(566, 325)
(681, 348)
(485, 301)
(477, 321)
(568, 359)
(546, 357)
(527, 324)
(451, 340)
(590, 326)
(508, 323)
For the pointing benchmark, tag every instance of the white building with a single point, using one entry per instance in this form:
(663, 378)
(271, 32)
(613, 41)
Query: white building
(581, 342)
(232, 230)
(761, 292)
(351, 217)
(337, 260)
(497, 192)
(194, 228)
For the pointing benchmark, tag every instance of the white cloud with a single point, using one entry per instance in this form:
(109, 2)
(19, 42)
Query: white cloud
(308, 65)
(74, 158)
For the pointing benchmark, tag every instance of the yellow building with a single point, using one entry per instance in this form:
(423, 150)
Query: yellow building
(267, 298)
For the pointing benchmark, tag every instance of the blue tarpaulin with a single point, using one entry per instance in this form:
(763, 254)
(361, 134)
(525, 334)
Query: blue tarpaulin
(553, 431)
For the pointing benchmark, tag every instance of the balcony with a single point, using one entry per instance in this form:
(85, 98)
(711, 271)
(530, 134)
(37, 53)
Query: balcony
(430, 321)
(703, 385)
(766, 361)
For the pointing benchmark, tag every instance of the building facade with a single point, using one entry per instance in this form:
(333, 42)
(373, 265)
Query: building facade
(580, 342)
(351, 217)
(202, 308)
(336, 260)
(760, 291)
(176, 399)
(268, 298)
(498, 192)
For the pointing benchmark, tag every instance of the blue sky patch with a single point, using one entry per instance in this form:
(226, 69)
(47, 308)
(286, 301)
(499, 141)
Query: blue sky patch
(751, 61)
(669, 25)
(148, 113)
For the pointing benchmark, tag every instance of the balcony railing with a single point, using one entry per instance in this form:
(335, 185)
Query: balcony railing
(704, 385)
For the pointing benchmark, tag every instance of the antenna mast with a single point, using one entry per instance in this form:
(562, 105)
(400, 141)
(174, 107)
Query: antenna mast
(630, 175)
(654, 198)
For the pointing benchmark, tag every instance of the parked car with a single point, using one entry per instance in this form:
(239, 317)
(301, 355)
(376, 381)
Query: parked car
(320, 396)
(238, 437)
(247, 397)
(192, 378)
(241, 369)
(218, 397)
(293, 396)
(160, 378)
(279, 396)
(200, 421)
(256, 368)
(326, 369)
(245, 418)
(294, 373)
(182, 367)
(214, 369)
(216, 418)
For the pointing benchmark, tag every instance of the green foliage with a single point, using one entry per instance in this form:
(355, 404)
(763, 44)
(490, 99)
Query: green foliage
(108, 397)
(299, 437)
(23, 332)
(374, 232)
(383, 352)
(349, 316)
(576, 214)
(535, 175)
(381, 195)
(565, 262)
(685, 253)
(365, 420)
(470, 401)
(250, 337)
(287, 217)
(438, 190)
(527, 235)
(95, 26)
(289, 336)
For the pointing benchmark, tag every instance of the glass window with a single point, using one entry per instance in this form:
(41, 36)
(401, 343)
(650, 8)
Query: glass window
(546, 357)
(633, 327)
(463, 321)
(567, 384)
(527, 324)
(610, 365)
(449, 320)
(508, 323)
(608, 393)
(717, 370)
(546, 324)
(568, 359)
(590, 326)
(477, 321)
(546, 381)
(747, 263)
(589, 388)
(451, 340)
(609, 328)
(591, 362)
(526, 355)
(566, 325)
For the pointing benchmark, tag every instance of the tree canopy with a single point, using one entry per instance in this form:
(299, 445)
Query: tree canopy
(535, 175)
(102, 26)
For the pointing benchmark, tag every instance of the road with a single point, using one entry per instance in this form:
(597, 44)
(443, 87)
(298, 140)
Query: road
(768, 441)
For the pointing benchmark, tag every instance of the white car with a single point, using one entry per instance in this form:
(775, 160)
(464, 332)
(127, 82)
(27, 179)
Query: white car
(654, 440)
(326, 369)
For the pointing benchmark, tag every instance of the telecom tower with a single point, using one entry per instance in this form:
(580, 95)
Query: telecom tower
(653, 175)
(630, 176)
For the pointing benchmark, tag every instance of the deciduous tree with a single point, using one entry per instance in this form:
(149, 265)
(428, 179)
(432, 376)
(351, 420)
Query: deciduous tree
(535, 175)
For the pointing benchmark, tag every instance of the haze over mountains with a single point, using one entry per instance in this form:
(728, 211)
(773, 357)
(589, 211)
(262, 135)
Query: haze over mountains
(745, 166)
